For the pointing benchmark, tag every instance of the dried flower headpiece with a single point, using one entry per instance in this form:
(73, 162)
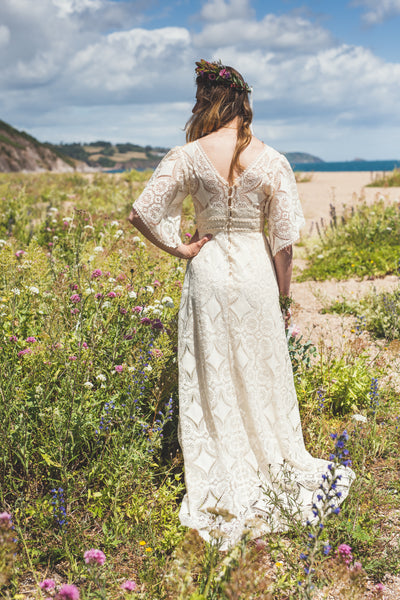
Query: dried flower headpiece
(217, 72)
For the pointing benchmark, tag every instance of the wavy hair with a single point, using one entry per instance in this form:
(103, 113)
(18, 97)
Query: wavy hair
(218, 104)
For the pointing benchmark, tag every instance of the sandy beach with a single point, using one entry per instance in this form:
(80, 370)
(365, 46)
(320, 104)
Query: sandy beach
(338, 188)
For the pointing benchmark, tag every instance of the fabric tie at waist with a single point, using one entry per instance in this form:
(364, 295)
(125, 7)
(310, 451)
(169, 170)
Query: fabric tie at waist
(214, 225)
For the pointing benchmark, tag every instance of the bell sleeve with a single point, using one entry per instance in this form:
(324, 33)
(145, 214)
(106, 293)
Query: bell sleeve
(284, 213)
(159, 206)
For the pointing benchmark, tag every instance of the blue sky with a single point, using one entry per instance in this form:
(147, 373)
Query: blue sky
(325, 73)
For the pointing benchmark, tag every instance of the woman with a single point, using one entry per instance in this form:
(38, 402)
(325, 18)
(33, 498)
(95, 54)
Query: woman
(239, 424)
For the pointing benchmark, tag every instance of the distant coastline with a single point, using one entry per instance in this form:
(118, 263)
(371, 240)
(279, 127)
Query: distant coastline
(353, 165)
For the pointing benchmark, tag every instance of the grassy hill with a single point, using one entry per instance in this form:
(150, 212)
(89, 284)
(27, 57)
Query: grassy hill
(19, 151)
(113, 156)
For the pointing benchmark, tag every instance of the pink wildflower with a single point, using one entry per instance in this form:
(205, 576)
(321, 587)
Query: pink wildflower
(5, 517)
(19, 253)
(145, 321)
(94, 556)
(379, 587)
(112, 295)
(25, 351)
(188, 235)
(295, 331)
(137, 309)
(119, 368)
(344, 551)
(156, 283)
(121, 277)
(357, 566)
(13, 338)
(31, 340)
(129, 585)
(68, 592)
(75, 298)
(74, 286)
(74, 311)
(123, 310)
(96, 273)
(72, 358)
(156, 352)
(47, 584)
(98, 295)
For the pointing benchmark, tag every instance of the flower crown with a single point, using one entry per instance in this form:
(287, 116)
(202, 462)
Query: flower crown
(217, 72)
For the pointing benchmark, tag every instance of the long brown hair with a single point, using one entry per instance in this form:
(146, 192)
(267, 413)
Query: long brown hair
(218, 104)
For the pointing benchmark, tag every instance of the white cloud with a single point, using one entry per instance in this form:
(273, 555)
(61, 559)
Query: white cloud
(378, 10)
(4, 35)
(67, 7)
(221, 10)
(279, 33)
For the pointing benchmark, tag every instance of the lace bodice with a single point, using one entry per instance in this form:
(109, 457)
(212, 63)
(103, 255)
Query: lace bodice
(265, 191)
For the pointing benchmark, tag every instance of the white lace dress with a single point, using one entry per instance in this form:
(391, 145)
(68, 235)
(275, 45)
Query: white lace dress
(238, 412)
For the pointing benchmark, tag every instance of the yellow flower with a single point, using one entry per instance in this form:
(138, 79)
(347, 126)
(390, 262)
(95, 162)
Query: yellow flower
(19, 597)
(352, 331)
(149, 549)
(279, 564)
(142, 543)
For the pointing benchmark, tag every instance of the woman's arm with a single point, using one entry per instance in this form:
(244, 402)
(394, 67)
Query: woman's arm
(182, 251)
(283, 261)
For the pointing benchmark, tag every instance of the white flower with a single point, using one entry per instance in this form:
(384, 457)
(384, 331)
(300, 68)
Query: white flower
(88, 291)
(157, 311)
(53, 209)
(54, 220)
(101, 377)
(389, 228)
(16, 291)
(179, 269)
(118, 234)
(102, 234)
(88, 385)
(320, 256)
(39, 389)
(148, 368)
(106, 304)
(359, 418)
(131, 369)
(147, 309)
(89, 227)
(132, 294)
(68, 219)
(112, 280)
(91, 258)
(149, 289)
(33, 289)
(98, 249)
(142, 244)
(168, 302)
(55, 238)
(136, 238)
(119, 288)
(3, 242)
(114, 223)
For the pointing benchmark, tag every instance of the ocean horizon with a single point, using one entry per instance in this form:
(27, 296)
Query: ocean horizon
(352, 165)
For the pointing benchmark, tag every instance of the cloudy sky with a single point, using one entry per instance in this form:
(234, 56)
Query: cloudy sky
(325, 73)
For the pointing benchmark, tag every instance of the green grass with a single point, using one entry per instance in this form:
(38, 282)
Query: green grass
(108, 437)
(387, 180)
(365, 242)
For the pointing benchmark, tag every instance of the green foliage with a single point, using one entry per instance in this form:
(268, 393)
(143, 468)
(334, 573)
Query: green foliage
(387, 180)
(364, 243)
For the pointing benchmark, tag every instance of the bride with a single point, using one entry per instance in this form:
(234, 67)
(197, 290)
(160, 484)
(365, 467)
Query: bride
(239, 422)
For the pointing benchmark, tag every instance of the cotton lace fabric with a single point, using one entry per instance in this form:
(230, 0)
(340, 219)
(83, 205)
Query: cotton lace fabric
(239, 422)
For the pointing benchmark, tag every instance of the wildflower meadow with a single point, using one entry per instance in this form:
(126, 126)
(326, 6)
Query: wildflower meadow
(91, 474)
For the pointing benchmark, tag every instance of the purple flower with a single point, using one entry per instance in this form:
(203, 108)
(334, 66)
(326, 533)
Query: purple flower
(123, 310)
(75, 298)
(119, 368)
(94, 556)
(327, 549)
(68, 592)
(380, 587)
(112, 295)
(47, 584)
(96, 273)
(129, 585)
(98, 295)
(25, 351)
(225, 74)
(145, 321)
(137, 309)
(5, 517)
(13, 338)
(31, 340)
(344, 551)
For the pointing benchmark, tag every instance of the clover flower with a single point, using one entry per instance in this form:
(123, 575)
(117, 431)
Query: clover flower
(20, 253)
(25, 351)
(119, 368)
(75, 298)
(344, 551)
(137, 309)
(33, 289)
(31, 340)
(94, 556)
(129, 585)
(88, 385)
(13, 338)
(96, 274)
(68, 592)
(112, 295)
(5, 518)
(47, 584)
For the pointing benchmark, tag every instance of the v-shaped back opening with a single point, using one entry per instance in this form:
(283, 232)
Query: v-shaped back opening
(214, 168)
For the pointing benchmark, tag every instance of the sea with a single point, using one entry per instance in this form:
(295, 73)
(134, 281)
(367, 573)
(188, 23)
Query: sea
(353, 165)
